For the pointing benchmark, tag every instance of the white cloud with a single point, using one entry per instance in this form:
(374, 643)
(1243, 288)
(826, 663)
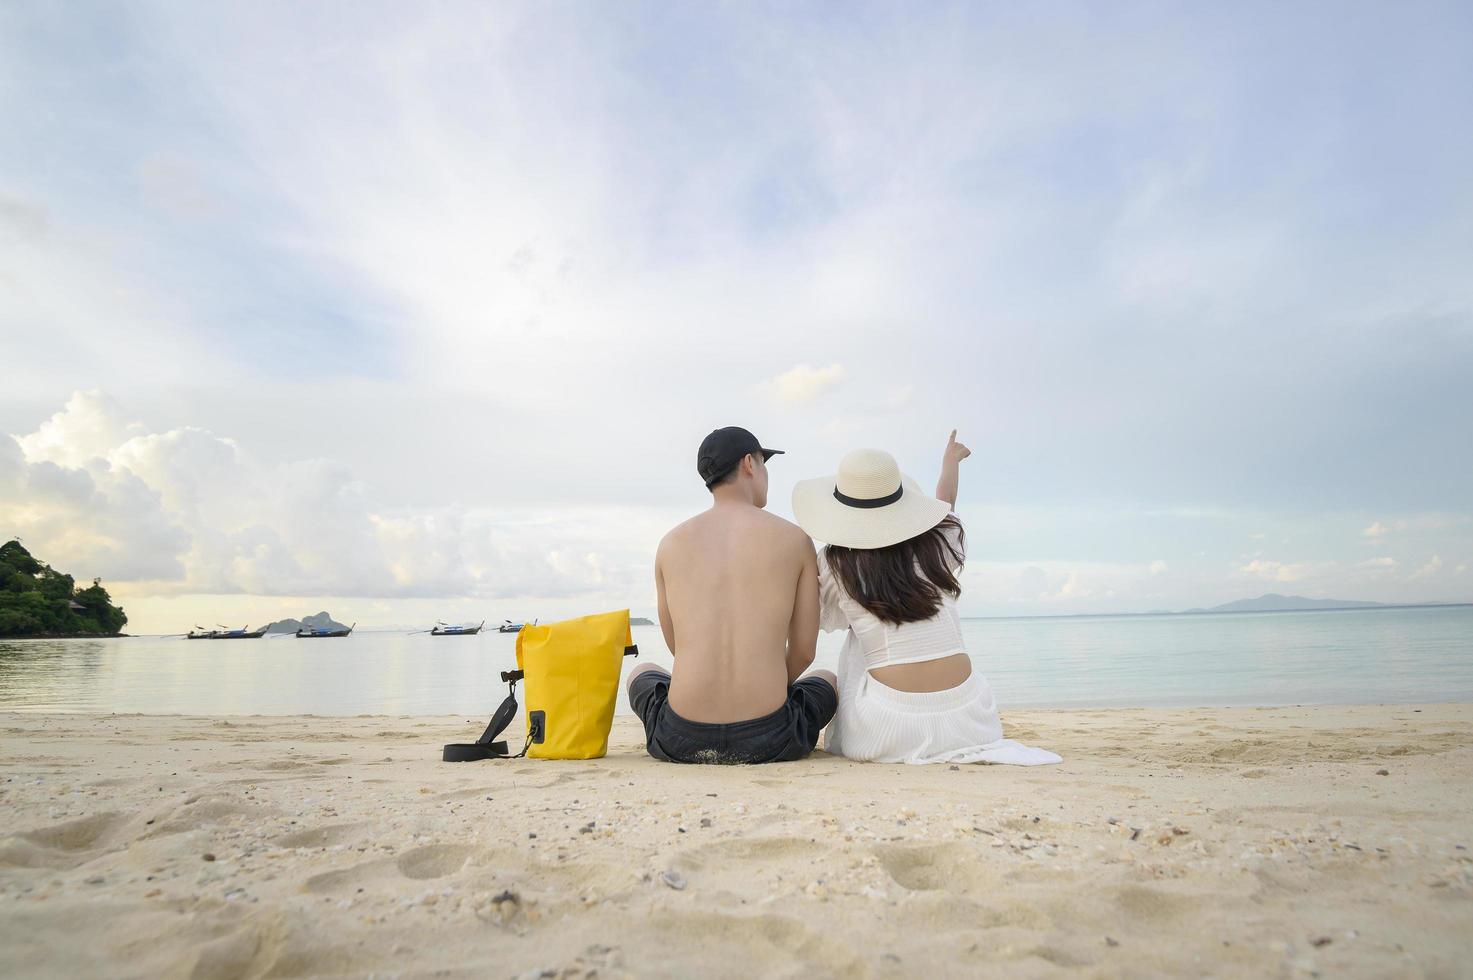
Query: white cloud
(86, 429)
(1059, 586)
(93, 521)
(1157, 567)
(185, 511)
(1429, 570)
(1073, 588)
(804, 383)
(1376, 530)
(12, 467)
(1286, 572)
(1383, 564)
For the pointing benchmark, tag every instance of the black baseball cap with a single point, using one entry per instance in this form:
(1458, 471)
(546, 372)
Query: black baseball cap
(724, 448)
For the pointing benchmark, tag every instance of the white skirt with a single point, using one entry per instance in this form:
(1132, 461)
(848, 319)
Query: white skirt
(876, 723)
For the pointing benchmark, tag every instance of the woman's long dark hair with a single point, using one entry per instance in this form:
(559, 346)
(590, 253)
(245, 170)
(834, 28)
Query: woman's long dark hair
(905, 582)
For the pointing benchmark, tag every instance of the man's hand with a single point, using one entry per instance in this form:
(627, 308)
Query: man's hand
(955, 451)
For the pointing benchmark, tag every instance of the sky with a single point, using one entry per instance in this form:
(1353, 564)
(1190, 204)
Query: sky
(418, 312)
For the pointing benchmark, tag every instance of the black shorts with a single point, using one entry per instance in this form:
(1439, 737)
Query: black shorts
(787, 734)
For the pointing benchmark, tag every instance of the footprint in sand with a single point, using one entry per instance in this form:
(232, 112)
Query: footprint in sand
(433, 861)
(723, 852)
(268, 947)
(327, 836)
(204, 811)
(251, 950)
(764, 944)
(62, 845)
(347, 879)
(287, 765)
(475, 792)
(77, 835)
(566, 777)
(1145, 904)
(932, 867)
(282, 765)
(421, 864)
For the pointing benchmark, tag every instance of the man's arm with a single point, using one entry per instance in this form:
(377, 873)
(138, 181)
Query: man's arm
(666, 626)
(803, 628)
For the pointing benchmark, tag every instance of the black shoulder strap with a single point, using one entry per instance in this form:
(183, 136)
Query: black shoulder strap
(486, 747)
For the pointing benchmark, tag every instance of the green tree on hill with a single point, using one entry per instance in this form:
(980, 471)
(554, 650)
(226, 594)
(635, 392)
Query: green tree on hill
(100, 608)
(36, 599)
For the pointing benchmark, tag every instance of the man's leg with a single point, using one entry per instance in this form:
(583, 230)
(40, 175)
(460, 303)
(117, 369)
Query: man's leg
(827, 675)
(816, 697)
(648, 687)
(643, 668)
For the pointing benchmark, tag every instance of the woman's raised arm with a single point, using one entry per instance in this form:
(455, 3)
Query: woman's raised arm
(951, 460)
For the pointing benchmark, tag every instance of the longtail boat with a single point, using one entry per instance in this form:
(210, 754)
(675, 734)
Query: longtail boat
(240, 634)
(203, 634)
(314, 633)
(509, 627)
(443, 630)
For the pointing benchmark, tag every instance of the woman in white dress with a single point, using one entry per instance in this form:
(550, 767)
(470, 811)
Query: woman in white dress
(888, 575)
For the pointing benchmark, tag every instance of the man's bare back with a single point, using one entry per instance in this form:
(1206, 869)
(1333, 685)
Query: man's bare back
(738, 596)
(739, 608)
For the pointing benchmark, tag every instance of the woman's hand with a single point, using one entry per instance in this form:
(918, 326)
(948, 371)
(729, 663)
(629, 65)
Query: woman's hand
(950, 465)
(955, 451)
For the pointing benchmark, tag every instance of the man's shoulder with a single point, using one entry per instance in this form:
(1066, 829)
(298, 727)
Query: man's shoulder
(679, 531)
(785, 530)
(755, 520)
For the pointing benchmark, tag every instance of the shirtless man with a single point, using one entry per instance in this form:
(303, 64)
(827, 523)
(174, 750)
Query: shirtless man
(738, 599)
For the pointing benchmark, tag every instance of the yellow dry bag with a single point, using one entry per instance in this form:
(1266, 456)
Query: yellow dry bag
(572, 671)
(572, 676)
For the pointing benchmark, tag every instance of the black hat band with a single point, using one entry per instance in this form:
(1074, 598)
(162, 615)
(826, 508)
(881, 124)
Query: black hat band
(868, 503)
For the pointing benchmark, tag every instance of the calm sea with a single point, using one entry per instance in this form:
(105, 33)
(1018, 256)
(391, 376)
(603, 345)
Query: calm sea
(1341, 657)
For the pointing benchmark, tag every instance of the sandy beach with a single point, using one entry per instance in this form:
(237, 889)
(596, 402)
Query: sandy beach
(1230, 842)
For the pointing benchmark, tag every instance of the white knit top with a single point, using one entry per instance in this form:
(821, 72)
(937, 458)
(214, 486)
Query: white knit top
(885, 644)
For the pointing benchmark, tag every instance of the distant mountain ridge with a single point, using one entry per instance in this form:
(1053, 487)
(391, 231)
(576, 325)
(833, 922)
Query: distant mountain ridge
(1267, 603)
(1273, 602)
(320, 620)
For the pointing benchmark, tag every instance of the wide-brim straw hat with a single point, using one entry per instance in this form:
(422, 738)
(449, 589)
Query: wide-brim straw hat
(869, 503)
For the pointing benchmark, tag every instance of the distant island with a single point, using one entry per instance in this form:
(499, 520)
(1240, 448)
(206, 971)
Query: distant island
(38, 601)
(640, 621)
(1269, 602)
(320, 620)
(1273, 602)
